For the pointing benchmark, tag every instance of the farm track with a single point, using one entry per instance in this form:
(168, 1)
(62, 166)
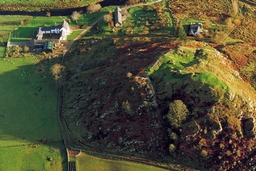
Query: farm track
(72, 166)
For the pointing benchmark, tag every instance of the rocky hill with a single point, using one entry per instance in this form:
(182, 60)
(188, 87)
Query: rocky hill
(192, 101)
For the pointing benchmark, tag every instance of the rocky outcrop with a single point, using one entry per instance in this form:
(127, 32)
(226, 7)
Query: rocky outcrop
(249, 127)
(123, 102)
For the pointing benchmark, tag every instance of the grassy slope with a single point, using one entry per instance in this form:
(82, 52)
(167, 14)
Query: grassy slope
(178, 61)
(210, 67)
(87, 162)
(28, 106)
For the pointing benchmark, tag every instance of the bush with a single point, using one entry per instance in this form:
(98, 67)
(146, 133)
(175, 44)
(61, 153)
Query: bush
(25, 49)
(172, 148)
(204, 153)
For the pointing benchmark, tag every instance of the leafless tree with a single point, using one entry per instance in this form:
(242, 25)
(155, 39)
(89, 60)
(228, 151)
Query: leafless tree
(93, 8)
(108, 18)
(75, 16)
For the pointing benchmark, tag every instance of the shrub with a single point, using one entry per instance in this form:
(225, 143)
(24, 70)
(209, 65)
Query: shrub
(25, 49)
(204, 153)
(172, 148)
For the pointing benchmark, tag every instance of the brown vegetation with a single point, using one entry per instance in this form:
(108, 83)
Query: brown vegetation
(93, 8)
(243, 17)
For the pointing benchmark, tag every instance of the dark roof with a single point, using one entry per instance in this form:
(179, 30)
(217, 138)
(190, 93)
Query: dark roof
(48, 46)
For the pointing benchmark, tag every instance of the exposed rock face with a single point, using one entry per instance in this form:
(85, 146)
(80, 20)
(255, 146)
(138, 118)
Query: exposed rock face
(249, 127)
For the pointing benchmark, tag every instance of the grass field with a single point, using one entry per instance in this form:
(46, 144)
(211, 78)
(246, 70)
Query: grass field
(9, 23)
(28, 118)
(91, 163)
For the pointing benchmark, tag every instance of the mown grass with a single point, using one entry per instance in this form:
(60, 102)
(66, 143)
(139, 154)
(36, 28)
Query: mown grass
(28, 104)
(91, 163)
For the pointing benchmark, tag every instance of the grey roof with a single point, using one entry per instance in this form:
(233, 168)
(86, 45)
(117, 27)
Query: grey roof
(65, 24)
(118, 17)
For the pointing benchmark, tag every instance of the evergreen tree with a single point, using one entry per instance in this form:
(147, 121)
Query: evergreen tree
(181, 32)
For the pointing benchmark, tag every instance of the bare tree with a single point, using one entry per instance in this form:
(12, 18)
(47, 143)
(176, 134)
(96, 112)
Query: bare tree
(57, 71)
(75, 16)
(48, 14)
(93, 8)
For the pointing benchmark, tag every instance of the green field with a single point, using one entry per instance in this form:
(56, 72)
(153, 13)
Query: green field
(91, 163)
(29, 127)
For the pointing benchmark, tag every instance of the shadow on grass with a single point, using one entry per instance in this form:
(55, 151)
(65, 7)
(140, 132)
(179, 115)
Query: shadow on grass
(29, 116)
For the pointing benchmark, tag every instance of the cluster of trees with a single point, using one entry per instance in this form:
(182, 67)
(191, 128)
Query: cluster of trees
(177, 114)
